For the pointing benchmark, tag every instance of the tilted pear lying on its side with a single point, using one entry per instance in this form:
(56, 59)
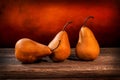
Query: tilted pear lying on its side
(60, 46)
(28, 51)
(87, 47)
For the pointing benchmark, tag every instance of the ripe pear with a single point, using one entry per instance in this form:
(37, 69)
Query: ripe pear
(28, 51)
(60, 46)
(87, 47)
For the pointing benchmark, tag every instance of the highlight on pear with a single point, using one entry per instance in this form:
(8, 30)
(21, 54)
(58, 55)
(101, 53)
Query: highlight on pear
(87, 47)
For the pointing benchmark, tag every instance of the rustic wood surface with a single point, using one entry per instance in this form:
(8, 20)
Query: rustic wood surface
(106, 66)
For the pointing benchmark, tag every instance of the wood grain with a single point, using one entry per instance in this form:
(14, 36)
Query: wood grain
(106, 66)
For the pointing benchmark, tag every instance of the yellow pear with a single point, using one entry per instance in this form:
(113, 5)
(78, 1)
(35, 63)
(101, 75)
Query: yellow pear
(28, 51)
(60, 46)
(87, 47)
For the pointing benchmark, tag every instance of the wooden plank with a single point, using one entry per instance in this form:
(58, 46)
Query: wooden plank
(106, 65)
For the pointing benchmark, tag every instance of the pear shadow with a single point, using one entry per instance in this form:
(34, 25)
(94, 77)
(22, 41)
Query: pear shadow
(73, 57)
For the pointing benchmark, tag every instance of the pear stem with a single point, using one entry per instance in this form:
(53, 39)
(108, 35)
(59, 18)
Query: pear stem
(57, 45)
(85, 22)
(66, 25)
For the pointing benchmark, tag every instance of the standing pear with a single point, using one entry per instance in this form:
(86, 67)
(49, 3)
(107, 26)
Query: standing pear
(60, 46)
(87, 47)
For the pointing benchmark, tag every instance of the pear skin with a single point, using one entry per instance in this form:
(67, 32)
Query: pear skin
(28, 51)
(60, 46)
(87, 47)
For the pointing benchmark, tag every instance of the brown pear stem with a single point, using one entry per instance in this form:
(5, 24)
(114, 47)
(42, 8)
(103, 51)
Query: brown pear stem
(57, 45)
(85, 22)
(66, 25)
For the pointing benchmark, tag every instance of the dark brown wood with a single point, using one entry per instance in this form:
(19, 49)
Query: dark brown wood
(106, 66)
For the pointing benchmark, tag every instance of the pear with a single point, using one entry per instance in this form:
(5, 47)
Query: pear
(28, 51)
(87, 47)
(60, 46)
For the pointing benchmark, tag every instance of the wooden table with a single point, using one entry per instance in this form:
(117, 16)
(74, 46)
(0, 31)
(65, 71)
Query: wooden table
(106, 66)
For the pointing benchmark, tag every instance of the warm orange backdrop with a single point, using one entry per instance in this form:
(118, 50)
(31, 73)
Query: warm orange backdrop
(42, 20)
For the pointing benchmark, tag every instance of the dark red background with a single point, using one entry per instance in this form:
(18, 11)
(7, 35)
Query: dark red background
(41, 20)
